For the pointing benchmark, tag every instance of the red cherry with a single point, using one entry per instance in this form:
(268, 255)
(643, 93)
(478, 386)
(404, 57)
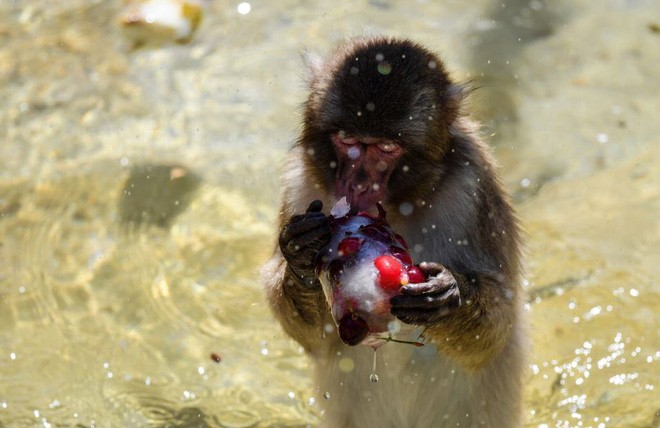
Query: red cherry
(390, 270)
(415, 276)
(349, 246)
(401, 254)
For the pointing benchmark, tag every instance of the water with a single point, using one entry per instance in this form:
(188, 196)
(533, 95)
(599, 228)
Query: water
(374, 376)
(114, 318)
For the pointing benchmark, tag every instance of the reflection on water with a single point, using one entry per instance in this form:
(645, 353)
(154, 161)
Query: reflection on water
(110, 325)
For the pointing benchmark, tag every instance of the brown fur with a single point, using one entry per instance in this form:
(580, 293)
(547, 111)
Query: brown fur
(470, 374)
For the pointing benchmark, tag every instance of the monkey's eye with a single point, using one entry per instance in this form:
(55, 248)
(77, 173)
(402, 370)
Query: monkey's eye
(387, 147)
(350, 141)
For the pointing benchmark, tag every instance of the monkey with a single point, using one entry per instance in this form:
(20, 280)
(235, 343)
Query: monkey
(384, 123)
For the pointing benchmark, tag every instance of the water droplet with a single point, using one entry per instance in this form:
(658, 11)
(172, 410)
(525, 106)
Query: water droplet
(406, 208)
(244, 8)
(394, 326)
(373, 376)
(346, 365)
(384, 68)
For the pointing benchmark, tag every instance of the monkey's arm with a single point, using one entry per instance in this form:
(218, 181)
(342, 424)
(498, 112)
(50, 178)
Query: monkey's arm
(293, 290)
(299, 309)
(468, 316)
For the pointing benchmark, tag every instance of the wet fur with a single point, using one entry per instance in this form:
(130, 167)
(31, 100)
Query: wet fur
(470, 373)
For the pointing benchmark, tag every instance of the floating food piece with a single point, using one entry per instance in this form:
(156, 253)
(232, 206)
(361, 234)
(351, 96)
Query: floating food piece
(363, 266)
(216, 357)
(161, 21)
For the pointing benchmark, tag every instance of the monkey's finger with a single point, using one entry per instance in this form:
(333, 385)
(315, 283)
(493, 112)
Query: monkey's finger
(419, 316)
(311, 222)
(417, 302)
(296, 218)
(435, 285)
(424, 302)
(431, 268)
(418, 288)
(315, 207)
(314, 238)
(300, 217)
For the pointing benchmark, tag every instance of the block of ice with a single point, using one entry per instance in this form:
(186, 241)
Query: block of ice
(363, 266)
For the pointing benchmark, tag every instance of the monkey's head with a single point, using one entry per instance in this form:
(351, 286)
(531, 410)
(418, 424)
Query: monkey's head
(377, 121)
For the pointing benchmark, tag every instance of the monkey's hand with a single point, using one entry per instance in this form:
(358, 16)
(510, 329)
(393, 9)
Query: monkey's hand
(300, 241)
(425, 303)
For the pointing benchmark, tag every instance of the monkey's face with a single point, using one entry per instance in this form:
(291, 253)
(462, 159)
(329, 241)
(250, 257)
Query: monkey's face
(376, 122)
(364, 167)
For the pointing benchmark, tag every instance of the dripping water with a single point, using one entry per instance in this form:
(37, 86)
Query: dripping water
(373, 376)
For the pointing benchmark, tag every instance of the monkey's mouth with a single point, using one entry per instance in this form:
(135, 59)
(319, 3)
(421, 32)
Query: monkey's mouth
(361, 197)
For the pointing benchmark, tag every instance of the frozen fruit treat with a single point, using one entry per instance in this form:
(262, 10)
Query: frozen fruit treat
(363, 266)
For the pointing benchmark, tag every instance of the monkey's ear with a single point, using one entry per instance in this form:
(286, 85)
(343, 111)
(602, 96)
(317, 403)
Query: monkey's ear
(314, 65)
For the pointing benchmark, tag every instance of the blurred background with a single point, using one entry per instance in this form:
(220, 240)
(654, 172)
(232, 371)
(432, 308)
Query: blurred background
(140, 146)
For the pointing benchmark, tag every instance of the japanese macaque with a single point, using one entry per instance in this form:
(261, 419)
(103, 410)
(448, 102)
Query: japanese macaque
(383, 124)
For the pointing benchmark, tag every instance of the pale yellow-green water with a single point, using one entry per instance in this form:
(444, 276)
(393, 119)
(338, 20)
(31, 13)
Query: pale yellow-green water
(138, 195)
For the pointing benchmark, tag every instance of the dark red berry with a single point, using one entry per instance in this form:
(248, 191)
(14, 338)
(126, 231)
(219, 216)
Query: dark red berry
(349, 246)
(415, 276)
(401, 254)
(376, 232)
(353, 329)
